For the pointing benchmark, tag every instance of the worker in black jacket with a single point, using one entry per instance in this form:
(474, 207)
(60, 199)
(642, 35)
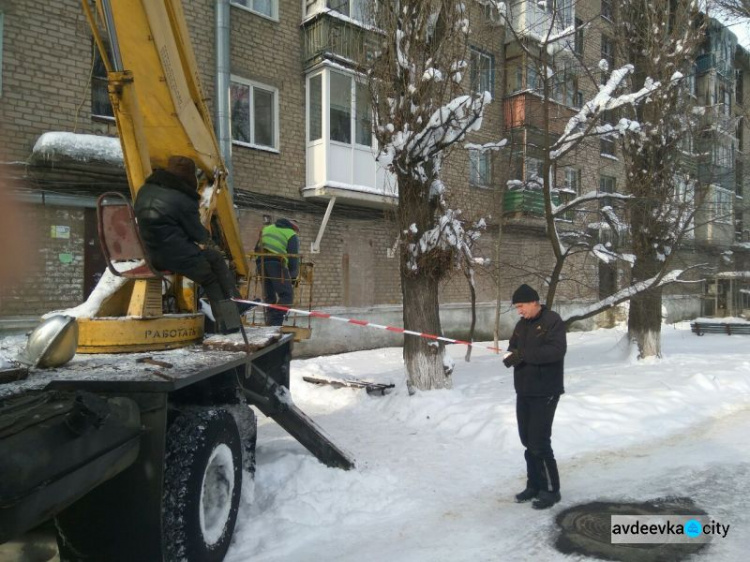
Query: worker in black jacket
(536, 352)
(167, 210)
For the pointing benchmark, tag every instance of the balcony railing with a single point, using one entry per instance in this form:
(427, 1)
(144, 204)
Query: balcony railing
(329, 37)
(709, 61)
(526, 202)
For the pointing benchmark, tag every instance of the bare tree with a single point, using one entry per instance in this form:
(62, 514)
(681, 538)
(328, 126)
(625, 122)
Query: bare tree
(420, 113)
(733, 8)
(662, 192)
(657, 202)
(555, 71)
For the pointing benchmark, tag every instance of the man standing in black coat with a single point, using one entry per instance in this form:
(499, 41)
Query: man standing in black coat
(536, 352)
(167, 210)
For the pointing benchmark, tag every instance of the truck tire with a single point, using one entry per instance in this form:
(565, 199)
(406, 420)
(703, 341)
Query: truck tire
(202, 485)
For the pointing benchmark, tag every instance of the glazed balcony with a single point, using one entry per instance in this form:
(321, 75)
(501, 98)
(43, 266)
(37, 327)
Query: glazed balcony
(526, 109)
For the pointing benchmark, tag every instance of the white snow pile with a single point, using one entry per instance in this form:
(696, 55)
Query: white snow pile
(436, 472)
(79, 147)
(107, 286)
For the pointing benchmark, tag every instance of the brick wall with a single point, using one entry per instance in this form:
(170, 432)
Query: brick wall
(54, 278)
(352, 268)
(46, 68)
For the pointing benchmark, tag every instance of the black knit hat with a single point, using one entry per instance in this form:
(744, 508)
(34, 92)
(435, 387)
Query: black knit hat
(524, 293)
(184, 168)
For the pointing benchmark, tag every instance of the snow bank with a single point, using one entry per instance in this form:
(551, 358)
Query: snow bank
(436, 471)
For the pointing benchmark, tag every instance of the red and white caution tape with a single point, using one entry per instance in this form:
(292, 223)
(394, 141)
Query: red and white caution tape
(318, 314)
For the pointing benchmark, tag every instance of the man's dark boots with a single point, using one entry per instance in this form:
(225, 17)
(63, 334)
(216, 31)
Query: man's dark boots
(527, 495)
(546, 499)
(551, 479)
(227, 316)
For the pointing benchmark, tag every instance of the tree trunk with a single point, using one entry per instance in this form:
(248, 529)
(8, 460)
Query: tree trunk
(644, 317)
(423, 357)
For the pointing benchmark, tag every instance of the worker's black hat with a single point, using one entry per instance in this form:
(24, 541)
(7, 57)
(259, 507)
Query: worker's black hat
(524, 293)
(184, 168)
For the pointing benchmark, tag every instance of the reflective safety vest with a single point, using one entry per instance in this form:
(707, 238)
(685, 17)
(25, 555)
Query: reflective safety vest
(275, 240)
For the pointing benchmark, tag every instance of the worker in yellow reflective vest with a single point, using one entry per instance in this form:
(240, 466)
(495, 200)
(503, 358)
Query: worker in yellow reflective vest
(280, 244)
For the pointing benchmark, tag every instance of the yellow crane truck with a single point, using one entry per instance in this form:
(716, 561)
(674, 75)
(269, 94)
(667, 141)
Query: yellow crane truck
(136, 447)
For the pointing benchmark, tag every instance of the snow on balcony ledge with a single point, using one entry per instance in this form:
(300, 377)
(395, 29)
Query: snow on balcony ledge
(61, 147)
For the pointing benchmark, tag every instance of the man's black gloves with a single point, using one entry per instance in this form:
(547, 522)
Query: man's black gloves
(513, 359)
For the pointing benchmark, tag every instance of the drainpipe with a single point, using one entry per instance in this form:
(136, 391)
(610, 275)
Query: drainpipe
(223, 77)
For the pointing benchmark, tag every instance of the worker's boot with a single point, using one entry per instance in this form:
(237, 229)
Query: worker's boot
(527, 495)
(545, 500)
(227, 316)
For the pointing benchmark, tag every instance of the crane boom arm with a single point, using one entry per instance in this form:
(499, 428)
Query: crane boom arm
(158, 103)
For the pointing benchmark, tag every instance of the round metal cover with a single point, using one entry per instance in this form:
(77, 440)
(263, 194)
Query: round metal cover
(586, 529)
(53, 343)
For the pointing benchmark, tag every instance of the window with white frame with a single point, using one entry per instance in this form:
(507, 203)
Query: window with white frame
(532, 78)
(349, 111)
(572, 182)
(684, 195)
(607, 141)
(315, 105)
(607, 184)
(608, 54)
(608, 10)
(564, 86)
(723, 155)
(739, 88)
(534, 173)
(254, 114)
(482, 67)
(358, 10)
(722, 205)
(341, 108)
(362, 115)
(725, 96)
(268, 8)
(578, 38)
(561, 9)
(480, 168)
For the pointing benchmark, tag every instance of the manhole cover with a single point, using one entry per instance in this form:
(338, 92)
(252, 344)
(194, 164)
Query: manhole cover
(586, 529)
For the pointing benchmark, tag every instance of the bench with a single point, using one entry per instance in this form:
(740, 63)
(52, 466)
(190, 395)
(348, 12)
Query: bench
(728, 328)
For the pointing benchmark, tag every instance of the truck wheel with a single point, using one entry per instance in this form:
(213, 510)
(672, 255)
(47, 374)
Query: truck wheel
(202, 484)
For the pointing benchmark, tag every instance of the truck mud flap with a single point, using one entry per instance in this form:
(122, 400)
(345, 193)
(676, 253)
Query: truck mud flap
(55, 447)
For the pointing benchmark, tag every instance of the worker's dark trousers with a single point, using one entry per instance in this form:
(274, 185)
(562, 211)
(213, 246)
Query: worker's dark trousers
(535, 415)
(277, 286)
(210, 271)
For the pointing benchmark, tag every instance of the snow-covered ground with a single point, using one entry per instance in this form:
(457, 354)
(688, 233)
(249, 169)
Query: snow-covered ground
(436, 472)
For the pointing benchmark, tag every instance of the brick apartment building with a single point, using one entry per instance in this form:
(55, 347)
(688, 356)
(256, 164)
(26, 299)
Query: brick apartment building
(300, 147)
